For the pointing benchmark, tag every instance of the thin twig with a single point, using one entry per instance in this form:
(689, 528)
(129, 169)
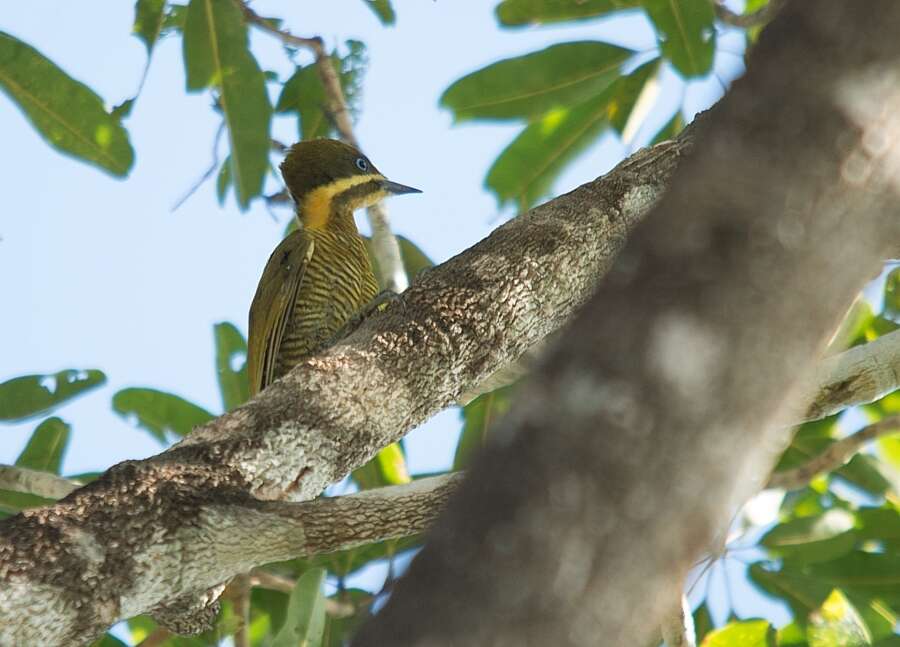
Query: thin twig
(747, 20)
(208, 173)
(834, 456)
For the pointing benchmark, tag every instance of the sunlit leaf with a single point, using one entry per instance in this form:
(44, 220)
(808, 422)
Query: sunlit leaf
(382, 9)
(68, 114)
(837, 624)
(305, 621)
(513, 13)
(231, 365)
(687, 33)
(527, 86)
(148, 21)
(742, 633)
(892, 294)
(813, 539)
(526, 169)
(46, 447)
(159, 413)
(32, 395)
(479, 417)
(216, 54)
(387, 467)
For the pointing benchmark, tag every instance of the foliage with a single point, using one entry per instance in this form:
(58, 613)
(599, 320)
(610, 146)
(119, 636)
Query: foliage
(831, 555)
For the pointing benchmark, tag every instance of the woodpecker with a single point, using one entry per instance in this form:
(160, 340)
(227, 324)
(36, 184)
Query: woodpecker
(320, 275)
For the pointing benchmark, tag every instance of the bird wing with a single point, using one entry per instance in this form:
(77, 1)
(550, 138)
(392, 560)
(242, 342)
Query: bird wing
(273, 306)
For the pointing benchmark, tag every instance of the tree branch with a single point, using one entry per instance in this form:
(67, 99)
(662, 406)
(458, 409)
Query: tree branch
(384, 244)
(662, 408)
(49, 486)
(834, 456)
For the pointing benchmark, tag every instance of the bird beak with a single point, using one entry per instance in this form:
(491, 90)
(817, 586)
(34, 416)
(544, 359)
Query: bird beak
(395, 188)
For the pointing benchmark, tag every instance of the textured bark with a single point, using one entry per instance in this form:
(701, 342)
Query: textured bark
(139, 537)
(661, 409)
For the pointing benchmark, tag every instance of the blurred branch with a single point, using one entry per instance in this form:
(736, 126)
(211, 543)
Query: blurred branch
(214, 164)
(266, 580)
(384, 243)
(834, 456)
(759, 17)
(45, 484)
(678, 627)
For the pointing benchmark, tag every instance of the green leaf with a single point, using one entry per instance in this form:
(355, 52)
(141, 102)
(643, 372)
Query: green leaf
(892, 294)
(340, 629)
(382, 9)
(388, 467)
(108, 640)
(515, 13)
(344, 562)
(670, 131)
(223, 181)
(231, 349)
(879, 523)
(46, 446)
(148, 21)
(870, 574)
(414, 259)
(792, 635)
(529, 86)
(703, 622)
(742, 633)
(159, 413)
(32, 395)
(173, 21)
(216, 54)
(837, 624)
(479, 417)
(304, 93)
(813, 539)
(687, 33)
(526, 169)
(868, 473)
(67, 114)
(305, 620)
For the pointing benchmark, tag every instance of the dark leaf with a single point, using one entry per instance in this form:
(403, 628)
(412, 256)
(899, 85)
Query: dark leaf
(526, 169)
(340, 628)
(31, 395)
(382, 9)
(528, 86)
(674, 126)
(123, 110)
(703, 622)
(479, 417)
(108, 640)
(216, 54)
(223, 181)
(813, 539)
(173, 21)
(148, 21)
(46, 447)
(687, 33)
(68, 114)
(231, 365)
(515, 13)
(159, 413)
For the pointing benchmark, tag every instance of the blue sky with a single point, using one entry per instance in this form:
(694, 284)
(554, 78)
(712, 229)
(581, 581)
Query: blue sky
(101, 273)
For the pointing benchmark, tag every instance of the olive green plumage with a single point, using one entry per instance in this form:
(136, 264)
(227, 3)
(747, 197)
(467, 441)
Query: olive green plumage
(320, 275)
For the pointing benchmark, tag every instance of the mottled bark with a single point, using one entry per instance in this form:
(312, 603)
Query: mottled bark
(139, 537)
(662, 408)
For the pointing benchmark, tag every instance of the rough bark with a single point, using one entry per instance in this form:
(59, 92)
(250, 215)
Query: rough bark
(661, 408)
(136, 538)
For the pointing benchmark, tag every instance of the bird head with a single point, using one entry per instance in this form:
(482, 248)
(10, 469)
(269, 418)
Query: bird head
(329, 180)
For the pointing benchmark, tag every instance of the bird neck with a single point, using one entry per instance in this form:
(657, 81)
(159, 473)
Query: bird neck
(337, 220)
(330, 206)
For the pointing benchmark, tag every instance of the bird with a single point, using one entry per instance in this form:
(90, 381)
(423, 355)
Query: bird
(320, 276)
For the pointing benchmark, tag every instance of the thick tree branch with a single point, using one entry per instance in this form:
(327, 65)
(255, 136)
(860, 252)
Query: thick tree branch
(664, 406)
(384, 244)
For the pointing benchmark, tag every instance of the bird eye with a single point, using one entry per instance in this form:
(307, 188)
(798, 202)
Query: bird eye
(362, 164)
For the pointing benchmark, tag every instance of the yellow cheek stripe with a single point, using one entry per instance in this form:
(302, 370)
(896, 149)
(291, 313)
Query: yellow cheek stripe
(315, 210)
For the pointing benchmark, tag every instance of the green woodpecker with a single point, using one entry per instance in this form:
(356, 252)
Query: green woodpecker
(319, 276)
